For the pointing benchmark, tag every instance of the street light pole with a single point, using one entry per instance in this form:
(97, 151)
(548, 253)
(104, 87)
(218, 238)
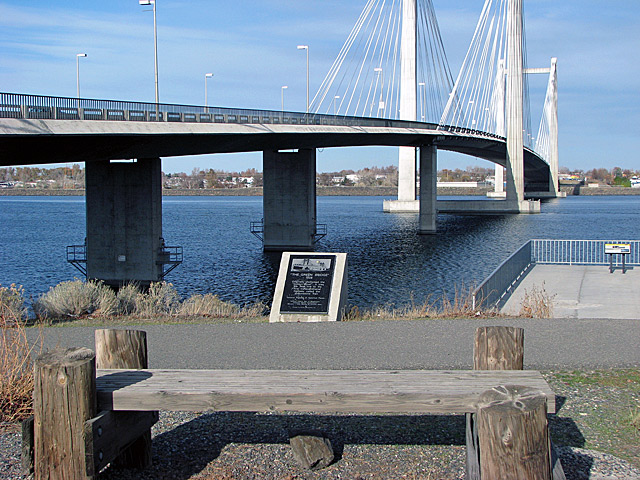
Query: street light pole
(337, 97)
(206, 99)
(306, 47)
(284, 87)
(155, 44)
(78, 74)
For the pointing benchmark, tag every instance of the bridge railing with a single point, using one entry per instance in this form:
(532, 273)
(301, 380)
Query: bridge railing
(16, 105)
(503, 279)
(500, 284)
(581, 252)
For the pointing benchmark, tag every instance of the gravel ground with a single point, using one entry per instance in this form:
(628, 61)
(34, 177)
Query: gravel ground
(229, 446)
(255, 446)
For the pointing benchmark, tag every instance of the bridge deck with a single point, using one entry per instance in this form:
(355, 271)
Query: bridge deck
(361, 391)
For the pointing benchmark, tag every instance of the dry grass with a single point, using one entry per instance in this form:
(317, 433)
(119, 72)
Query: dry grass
(460, 306)
(210, 306)
(162, 304)
(160, 300)
(537, 303)
(16, 357)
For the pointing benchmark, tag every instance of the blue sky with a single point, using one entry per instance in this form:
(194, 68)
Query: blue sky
(250, 46)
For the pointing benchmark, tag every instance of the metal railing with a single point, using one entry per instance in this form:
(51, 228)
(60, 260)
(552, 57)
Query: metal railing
(503, 279)
(500, 284)
(77, 256)
(169, 257)
(581, 252)
(16, 105)
(257, 230)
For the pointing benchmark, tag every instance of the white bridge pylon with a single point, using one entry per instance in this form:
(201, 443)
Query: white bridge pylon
(491, 95)
(393, 65)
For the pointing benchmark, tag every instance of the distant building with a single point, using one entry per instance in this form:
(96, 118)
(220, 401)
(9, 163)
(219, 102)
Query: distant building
(353, 178)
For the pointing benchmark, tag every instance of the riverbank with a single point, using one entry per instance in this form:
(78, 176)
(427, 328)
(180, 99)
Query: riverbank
(321, 191)
(250, 192)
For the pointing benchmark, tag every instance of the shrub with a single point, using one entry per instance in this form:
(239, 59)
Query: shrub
(12, 307)
(16, 372)
(208, 305)
(537, 303)
(127, 296)
(74, 299)
(160, 299)
(107, 302)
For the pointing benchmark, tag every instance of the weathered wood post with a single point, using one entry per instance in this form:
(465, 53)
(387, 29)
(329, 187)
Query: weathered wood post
(126, 349)
(494, 348)
(64, 398)
(513, 434)
(498, 348)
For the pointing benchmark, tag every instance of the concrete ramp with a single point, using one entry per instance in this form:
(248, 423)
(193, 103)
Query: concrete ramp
(582, 291)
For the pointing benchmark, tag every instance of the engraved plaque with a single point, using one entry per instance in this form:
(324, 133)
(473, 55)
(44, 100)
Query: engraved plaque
(307, 287)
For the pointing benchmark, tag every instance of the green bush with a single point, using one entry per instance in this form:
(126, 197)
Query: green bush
(622, 181)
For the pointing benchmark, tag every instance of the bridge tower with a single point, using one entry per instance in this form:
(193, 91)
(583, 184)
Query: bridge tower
(514, 107)
(554, 155)
(547, 140)
(408, 103)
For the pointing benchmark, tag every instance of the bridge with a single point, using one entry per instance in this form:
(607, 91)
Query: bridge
(124, 212)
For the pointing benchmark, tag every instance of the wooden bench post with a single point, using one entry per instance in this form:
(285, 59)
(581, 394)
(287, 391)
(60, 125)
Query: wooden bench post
(513, 434)
(126, 349)
(494, 348)
(499, 348)
(64, 398)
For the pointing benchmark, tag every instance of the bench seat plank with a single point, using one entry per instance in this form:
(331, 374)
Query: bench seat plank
(321, 391)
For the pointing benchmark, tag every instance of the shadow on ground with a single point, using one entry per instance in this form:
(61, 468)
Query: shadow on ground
(190, 447)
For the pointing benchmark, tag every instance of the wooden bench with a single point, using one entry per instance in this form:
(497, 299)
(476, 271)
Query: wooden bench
(320, 391)
(106, 410)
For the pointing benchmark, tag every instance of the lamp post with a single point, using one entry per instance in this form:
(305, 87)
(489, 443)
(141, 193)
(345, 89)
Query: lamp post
(155, 44)
(306, 47)
(78, 74)
(381, 103)
(422, 90)
(337, 97)
(206, 98)
(282, 89)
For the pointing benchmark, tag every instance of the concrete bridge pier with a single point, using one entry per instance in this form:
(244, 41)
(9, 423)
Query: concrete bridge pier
(289, 200)
(428, 189)
(124, 221)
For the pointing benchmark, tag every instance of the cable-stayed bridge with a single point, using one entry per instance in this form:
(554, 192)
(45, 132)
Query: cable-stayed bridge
(390, 85)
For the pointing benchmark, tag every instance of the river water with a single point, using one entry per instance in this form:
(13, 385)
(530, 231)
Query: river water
(389, 264)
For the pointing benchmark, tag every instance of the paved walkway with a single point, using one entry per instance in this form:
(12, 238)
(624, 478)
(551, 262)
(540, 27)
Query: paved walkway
(582, 292)
(418, 344)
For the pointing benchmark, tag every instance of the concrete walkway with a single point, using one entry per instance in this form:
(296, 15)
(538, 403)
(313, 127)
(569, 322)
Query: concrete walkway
(582, 292)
